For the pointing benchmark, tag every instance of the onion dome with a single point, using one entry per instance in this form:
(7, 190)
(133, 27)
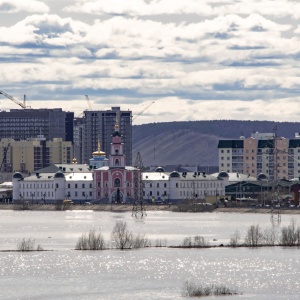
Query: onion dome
(18, 175)
(223, 174)
(159, 169)
(59, 174)
(174, 174)
(262, 176)
(98, 153)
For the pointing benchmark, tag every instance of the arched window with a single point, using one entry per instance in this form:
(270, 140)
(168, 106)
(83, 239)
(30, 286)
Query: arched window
(117, 162)
(151, 185)
(117, 182)
(117, 151)
(157, 185)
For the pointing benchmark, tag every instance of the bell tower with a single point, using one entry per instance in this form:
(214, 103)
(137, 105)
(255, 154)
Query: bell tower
(117, 157)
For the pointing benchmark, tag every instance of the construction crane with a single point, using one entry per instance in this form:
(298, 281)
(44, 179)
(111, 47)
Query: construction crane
(23, 105)
(142, 111)
(89, 102)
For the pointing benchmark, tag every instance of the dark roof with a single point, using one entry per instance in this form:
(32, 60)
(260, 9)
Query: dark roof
(265, 144)
(231, 144)
(223, 175)
(294, 143)
(174, 174)
(59, 174)
(116, 133)
(17, 175)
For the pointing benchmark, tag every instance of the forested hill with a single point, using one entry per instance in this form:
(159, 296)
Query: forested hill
(195, 142)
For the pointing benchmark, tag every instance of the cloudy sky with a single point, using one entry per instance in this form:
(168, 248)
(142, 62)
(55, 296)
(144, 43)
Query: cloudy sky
(195, 59)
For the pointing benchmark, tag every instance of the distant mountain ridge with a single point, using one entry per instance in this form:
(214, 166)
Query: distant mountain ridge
(195, 142)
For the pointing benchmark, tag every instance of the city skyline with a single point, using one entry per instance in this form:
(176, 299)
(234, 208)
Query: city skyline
(198, 60)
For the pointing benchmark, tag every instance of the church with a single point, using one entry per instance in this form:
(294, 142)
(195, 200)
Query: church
(116, 182)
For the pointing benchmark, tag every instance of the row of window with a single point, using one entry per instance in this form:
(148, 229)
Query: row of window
(50, 194)
(51, 185)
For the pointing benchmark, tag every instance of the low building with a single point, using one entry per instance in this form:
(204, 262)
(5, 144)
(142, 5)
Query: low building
(55, 183)
(161, 186)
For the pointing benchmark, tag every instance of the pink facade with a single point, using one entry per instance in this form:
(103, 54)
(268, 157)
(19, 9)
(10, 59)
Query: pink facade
(117, 182)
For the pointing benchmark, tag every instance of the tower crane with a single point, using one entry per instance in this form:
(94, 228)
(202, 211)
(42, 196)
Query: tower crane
(89, 102)
(142, 111)
(23, 105)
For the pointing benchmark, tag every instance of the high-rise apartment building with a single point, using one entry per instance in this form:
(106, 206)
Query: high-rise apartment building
(20, 124)
(29, 155)
(277, 157)
(97, 125)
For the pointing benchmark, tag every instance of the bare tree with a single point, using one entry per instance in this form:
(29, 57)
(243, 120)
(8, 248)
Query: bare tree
(94, 241)
(254, 236)
(270, 236)
(122, 237)
(28, 245)
(290, 235)
(234, 239)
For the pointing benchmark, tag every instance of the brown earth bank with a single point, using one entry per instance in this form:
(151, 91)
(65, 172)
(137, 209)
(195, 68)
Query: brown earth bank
(176, 208)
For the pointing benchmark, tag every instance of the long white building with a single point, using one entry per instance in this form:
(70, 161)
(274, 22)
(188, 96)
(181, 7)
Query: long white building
(177, 186)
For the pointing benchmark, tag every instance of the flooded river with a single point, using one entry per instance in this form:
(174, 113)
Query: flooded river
(152, 273)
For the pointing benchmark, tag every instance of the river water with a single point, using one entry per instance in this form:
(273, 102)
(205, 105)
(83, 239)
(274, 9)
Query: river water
(152, 273)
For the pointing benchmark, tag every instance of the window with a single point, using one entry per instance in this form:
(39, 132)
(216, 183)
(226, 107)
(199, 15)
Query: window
(98, 183)
(76, 194)
(157, 185)
(228, 151)
(150, 193)
(75, 185)
(177, 184)
(83, 185)
(83, 194)
(69, 185)
(222, 151)
(90, 185)
(116, 162)
(157, 193)
(117, 182)
(165, 185)
(151, 185)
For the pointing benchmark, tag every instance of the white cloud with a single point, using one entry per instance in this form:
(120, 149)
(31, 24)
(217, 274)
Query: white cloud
(275, 8)
(13, 6)
(247, 61)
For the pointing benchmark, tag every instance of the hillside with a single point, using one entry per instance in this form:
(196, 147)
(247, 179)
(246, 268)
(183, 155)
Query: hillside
(195, 142)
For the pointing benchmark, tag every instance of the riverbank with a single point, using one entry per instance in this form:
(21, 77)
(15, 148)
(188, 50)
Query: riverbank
(125, 208)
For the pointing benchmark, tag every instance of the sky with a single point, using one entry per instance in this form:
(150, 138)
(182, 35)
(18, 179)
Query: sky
(166, 60)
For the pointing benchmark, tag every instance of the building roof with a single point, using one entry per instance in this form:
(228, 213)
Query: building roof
(231, 144)
(294, 143)
(265, 144)
(68, 176)
(190, 176)
(65, 168)
(128, 168)
(236, 177)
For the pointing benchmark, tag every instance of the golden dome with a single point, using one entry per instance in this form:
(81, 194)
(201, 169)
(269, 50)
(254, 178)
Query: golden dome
(98, 153)
(74, 160)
